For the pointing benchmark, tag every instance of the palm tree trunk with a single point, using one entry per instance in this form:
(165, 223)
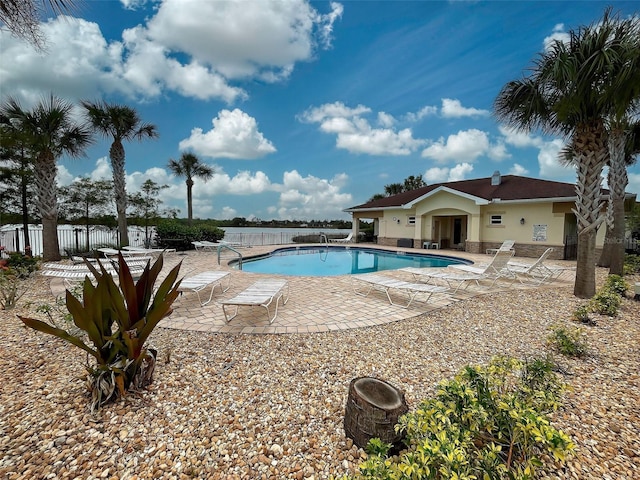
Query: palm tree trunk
(24, 193)
(189, 201)
(591, 153)
(116, 155)
(45, 179)
(618, 181)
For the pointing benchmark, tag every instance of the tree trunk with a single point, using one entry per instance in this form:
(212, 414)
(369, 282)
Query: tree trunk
(189, 201)
(591, 152)
(372, 411)
(45, 179)
(25, 214)
(618, 181)
(116, 155)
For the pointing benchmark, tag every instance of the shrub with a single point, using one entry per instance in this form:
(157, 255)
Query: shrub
(173, 234)
(616, 284)
(569, 343)
(606, 302)
(22, 265)
(581, 314)
(117, 320)
(13, 285)
(487, 423)
(631, 264)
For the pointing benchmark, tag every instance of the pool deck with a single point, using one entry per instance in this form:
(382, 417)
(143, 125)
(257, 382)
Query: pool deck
(316, 304)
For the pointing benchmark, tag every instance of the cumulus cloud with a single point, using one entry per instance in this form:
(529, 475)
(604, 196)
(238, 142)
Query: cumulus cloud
(311, 197)
(452, 108)
(518, 169)
(191, 47)
(234, 135)
(441, 175)
(548, 162)
(558, 35)
(465, 145)
(356, 135)
(422, 113)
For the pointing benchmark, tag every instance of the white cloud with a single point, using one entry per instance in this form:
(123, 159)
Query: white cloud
(102, 171)
(386, 120)
(452, 108)
(356, 135)
(548, 162)
(558, 35)
(234, 135)
(420, 114)
(518, 169)
(441, 175)
(63, 176)
(634, 183)
(216, 33)
(518, 138)
(466, 145)
(191, 47)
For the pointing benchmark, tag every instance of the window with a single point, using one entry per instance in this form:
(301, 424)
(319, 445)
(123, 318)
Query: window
(412, 220)
(496, 220)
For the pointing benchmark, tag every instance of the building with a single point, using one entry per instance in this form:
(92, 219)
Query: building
(475, 215)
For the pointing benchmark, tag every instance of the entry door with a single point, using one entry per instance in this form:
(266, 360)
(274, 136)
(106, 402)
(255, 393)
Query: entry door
(457, 231)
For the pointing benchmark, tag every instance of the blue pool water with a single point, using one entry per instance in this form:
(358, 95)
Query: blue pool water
(329, 261)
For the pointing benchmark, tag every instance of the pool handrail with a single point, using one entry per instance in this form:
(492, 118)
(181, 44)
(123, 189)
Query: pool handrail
(229, 247)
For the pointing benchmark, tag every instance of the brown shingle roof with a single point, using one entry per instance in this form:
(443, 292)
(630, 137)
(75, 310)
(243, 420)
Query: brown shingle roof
(511, 187)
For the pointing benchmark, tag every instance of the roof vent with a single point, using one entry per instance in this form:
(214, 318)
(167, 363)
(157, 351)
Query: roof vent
(495, 178)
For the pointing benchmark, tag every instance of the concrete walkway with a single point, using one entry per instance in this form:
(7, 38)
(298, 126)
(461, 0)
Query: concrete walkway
(316, 304)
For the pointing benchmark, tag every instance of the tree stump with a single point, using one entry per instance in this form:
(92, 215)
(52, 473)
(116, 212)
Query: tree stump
(373, 408)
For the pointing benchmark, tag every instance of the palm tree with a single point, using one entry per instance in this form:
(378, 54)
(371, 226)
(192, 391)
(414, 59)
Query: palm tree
(571, 90)
(624, 146)
(120, 123)
(51, 133)
(189, 166)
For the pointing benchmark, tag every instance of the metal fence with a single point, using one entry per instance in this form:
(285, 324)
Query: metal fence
(70, 237)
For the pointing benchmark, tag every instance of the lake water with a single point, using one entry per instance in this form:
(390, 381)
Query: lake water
(274, 236)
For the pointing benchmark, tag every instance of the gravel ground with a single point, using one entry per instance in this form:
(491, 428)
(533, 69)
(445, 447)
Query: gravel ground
(272, 406)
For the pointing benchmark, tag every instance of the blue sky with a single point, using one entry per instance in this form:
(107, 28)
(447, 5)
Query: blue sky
(302, 108)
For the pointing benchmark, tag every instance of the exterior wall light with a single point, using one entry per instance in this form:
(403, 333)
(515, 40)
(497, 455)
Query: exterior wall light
(522, 221)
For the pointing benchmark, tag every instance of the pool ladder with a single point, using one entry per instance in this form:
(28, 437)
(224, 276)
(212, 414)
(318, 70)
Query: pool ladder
(326, 242)
(220, 247)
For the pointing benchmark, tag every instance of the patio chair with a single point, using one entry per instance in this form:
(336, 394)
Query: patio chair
(346, 239)
(148, 251)
(506, 245)
(497, 269)
(260, 294)
(538, 272)
(199, 282)
(453, 280)
(204, 245)
(385, 284)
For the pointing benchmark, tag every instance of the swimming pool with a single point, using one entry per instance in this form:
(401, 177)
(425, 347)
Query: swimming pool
(334, 260)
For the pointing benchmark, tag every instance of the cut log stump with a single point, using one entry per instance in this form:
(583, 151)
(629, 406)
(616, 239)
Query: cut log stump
(373, 408)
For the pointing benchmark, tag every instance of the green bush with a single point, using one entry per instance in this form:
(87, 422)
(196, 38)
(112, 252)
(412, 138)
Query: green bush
(581, 314)
(22, 265)
(173, 234)
(570, 343)
(631, 264)
(13, 285)
(616, 284)
(606, 302)
(487, 423)
(117, 319)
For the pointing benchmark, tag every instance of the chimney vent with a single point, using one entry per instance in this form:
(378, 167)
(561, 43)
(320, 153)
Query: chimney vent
(495, 178)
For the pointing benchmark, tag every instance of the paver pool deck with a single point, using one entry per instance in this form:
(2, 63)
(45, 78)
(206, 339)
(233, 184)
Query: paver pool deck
(316, 304)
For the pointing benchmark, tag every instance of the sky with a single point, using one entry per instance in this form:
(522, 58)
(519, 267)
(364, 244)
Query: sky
(301, 108)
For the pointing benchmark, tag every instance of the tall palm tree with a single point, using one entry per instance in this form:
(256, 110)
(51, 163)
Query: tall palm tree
(571, 90)
(51, 133)
(121, 123)
(189, 166)
(624, 146)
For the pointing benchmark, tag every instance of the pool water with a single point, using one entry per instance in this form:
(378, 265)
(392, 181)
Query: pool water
(330, 261)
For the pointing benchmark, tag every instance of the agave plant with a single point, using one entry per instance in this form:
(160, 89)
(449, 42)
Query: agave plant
(117, 319)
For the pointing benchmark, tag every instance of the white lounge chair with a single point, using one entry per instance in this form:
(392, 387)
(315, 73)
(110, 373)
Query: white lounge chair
(72, 274)
(346, 239)
(506, 245)
(260, 294)
(497, 269)
(204, 245)
(148, 251)
(199, 282)
(385, 284)
(453, 280)
(538, 272)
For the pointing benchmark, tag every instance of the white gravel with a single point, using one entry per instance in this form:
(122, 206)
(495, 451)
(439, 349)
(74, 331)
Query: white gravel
(272, 406)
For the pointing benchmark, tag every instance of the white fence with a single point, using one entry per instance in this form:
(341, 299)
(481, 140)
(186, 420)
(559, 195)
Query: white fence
(71, 237)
